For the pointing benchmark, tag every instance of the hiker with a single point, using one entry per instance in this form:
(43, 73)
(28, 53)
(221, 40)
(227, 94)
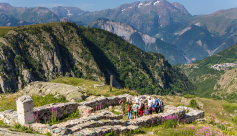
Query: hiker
(129, 102)
(129, 110)
(150, 105)
(135, 108)
(136, 99)
(160, 105)
(142, 106)
(156, 105)
(146, 110)
(121, 102)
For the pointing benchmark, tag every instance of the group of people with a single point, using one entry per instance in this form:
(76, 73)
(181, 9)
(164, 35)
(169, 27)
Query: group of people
(140, 106)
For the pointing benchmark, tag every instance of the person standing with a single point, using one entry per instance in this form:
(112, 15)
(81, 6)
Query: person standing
(142, 106)
(150, 105)
(156, 105)
(160, 105)
(129, 102)
(129, 110)
(146, 110)
(135, 110)
(136, 99)
(121, 102)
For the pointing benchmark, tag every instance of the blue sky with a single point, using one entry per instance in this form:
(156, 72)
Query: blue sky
(195, 7)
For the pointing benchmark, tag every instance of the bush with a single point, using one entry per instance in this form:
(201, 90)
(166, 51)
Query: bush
(193, 103)
(235, 120)
(189, 96)
(229, 107)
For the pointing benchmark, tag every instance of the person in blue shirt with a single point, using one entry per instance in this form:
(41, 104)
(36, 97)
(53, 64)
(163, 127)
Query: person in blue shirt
(156, 105)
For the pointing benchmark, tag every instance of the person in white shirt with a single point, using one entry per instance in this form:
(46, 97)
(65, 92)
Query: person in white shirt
(136, 99)
(150, 105)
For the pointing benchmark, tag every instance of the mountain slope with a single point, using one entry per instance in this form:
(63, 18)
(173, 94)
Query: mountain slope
(222, 22)
(148, 16)
(44, 52)
(145, 42)
(198, 43)
(6, 20)
(209, 81)
(31, 15)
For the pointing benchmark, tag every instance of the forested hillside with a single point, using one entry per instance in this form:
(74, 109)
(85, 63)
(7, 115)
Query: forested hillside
(209, 80)
(48, 51)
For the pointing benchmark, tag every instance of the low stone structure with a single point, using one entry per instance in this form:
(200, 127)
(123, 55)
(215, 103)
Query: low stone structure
(95, 120)
(44, 112)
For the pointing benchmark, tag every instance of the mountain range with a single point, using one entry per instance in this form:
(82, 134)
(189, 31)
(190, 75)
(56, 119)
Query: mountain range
(193, 37)
(145, 42)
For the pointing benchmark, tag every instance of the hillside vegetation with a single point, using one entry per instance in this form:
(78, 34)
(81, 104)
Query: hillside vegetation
(45, 52)
(208, 80)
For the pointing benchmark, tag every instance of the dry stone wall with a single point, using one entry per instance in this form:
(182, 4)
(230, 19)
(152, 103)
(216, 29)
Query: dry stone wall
(95, 120)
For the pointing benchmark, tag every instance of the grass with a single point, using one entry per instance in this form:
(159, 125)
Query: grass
(4, 30)
(88, 85)
(230, 107)
(19, 128)
(9, 101)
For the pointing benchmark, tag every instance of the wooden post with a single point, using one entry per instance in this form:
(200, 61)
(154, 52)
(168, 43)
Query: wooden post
(111, 82)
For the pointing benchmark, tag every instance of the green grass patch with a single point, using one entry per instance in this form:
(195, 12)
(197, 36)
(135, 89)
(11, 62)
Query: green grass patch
(4, 30)
(43, 100)
(75, 81)
(7, 103)
(189, 96)
(19, 128)
(229, 107)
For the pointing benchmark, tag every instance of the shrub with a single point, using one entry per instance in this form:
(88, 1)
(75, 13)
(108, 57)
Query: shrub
(235, 120)
(189, 96)
(193, 103)
(229, 107)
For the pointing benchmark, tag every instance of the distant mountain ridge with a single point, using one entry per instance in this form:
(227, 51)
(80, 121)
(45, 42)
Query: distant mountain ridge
(145, 42)
(197, 36)
(30, 15)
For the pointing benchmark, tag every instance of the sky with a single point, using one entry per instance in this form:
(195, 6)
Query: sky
(194, 7)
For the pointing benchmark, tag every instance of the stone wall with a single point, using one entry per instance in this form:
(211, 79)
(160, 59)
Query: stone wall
(102, 121)
(45, 112)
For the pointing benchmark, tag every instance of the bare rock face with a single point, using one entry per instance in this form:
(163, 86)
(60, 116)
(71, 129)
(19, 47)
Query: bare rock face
(45, 88)
(143, 41)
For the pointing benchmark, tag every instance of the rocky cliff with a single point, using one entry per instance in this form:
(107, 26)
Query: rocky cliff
(45, 52)
(145, 42)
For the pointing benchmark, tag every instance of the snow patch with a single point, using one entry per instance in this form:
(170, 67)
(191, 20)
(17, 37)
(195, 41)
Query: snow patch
(68, 11)
(148, 4)
(123, 10)
(129, 7)
(156, 3)
(140, 4)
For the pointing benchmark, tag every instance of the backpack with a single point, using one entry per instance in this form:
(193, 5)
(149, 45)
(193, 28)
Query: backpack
(129, 108)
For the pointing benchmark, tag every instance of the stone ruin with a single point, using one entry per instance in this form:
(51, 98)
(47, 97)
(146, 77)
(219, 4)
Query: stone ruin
(94, 121)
